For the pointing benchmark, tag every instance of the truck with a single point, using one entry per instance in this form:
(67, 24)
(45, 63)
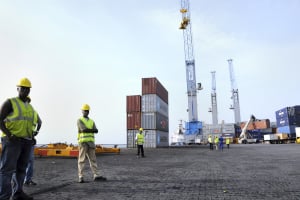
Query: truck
(245, 137)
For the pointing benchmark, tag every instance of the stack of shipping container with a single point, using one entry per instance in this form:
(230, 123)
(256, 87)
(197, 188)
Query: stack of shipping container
(150, 112)
(287, 119)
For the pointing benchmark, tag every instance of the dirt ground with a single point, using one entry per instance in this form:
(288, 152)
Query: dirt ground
(250, 171)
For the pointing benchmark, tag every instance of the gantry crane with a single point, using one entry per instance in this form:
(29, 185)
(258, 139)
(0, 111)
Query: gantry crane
(193, 125)
(214, 108)
(235, 95)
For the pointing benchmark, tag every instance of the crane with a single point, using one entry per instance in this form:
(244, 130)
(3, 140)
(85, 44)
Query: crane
(235, 95)
(214, 108)
(193, 126)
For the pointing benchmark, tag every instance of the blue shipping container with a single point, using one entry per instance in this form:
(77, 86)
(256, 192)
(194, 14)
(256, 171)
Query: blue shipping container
(287, 121)
(286, 129)
(288, 112)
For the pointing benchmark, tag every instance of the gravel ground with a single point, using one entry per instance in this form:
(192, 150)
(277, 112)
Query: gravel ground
(250, 171)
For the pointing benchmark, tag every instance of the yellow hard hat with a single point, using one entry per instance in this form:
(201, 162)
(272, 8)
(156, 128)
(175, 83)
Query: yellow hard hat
(85, 107)
(24, 82)
(141, 129)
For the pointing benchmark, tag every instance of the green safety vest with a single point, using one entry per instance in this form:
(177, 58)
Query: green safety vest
(20, 121)
(140, 139)
(86, 137)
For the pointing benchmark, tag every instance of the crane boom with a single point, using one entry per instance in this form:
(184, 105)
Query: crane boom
(214, 109)
(189, 61)
(235, 94)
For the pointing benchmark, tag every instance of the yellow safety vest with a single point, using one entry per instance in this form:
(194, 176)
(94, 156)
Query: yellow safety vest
(86, 137)
(216, 140)
(227, 141)
(20, 121)
(209, 140)
(140, 139)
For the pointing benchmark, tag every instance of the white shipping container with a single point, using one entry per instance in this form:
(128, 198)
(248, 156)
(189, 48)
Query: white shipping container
(297, 132)
(153, 103)
(228, 128)
(270, 137)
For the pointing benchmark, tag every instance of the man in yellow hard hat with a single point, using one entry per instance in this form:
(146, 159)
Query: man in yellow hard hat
(16, 121)
(86, 142)
(139, 139)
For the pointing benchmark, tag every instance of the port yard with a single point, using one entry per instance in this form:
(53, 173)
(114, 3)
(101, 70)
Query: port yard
(245, 171)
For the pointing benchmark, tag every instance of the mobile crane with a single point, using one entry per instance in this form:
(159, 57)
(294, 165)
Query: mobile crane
(244, 137)
(193, 126)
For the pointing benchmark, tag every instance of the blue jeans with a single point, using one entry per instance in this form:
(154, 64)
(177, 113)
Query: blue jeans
(14, 160)
(29, 170)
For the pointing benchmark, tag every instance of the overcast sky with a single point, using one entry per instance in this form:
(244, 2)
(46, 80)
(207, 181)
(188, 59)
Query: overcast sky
(97, 52)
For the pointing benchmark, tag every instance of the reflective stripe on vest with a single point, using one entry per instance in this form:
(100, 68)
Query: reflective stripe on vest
(20, 121)
(35, 120)
(86, 137)
(140, 139)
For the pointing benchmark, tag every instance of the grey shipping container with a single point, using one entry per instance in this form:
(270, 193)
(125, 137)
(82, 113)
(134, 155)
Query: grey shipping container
(155, 121)
(153, 103)
(228, 128)
(153, 138)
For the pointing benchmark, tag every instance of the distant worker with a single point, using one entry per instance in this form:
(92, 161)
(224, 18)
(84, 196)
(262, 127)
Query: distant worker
(37, 123)
(216, 142)
(86, 142)
(221, 142)
(139, 139)
(16, 121)
(211, 147)
(227, 142)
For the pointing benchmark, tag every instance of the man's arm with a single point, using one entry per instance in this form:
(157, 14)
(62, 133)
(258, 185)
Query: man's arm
(38, 127)
(5, 110)
(83, 129)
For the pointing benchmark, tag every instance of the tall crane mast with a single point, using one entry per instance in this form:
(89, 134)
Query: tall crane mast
(214, 108)
(235, 94)
(189, 61)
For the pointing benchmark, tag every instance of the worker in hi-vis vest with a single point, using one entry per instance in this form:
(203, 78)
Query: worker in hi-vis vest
(16, 121)
(211, 147)
(227, 142)
(86, 142)
(139, 140)
(216, 142)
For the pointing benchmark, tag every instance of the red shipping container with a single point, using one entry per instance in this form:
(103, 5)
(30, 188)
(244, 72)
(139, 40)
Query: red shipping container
(133, 103)
(262, 124)
(258, 124)
(250, 126)
(134, 120)
(153, 86)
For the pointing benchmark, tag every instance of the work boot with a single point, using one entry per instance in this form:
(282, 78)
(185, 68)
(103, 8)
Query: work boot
(21, 196)
(28, 183)
(80, 180)
(100, 178)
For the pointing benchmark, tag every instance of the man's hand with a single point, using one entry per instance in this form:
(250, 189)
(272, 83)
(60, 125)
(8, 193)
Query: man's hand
(35, 133)
(12, 137)
(33, 141)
